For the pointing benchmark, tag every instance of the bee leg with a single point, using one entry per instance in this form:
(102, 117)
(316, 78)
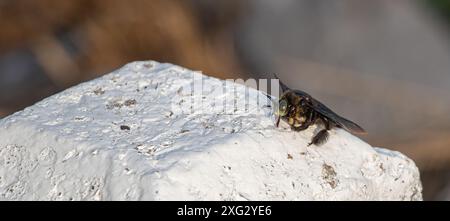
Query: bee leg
(322, 136)
(278, 121)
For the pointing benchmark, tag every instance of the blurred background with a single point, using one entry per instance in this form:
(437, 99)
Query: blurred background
(384, 64)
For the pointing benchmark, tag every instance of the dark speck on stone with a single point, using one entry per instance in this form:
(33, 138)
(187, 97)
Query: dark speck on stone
(99, 91)
(289, 156)
(124, 127)
(130, 102)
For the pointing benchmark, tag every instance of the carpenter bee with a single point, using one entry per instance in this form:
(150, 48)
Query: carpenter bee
(300, 110)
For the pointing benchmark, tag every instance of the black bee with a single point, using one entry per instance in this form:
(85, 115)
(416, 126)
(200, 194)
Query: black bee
(300, 110)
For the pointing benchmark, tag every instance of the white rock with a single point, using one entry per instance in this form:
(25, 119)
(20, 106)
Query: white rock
(119, 138)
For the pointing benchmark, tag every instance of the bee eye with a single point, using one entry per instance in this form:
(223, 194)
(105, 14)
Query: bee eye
(283, 105)
(282, 108)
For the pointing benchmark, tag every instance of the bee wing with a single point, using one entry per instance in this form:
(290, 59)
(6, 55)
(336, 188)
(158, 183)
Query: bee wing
(340, 121)
(327, 112)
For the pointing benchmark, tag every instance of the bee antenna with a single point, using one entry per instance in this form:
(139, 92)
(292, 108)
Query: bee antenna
(284, 87)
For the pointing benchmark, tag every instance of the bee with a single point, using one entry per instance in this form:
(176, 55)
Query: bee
(300, 111)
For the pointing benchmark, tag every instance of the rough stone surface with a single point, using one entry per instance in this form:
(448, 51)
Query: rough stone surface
(118, 138)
